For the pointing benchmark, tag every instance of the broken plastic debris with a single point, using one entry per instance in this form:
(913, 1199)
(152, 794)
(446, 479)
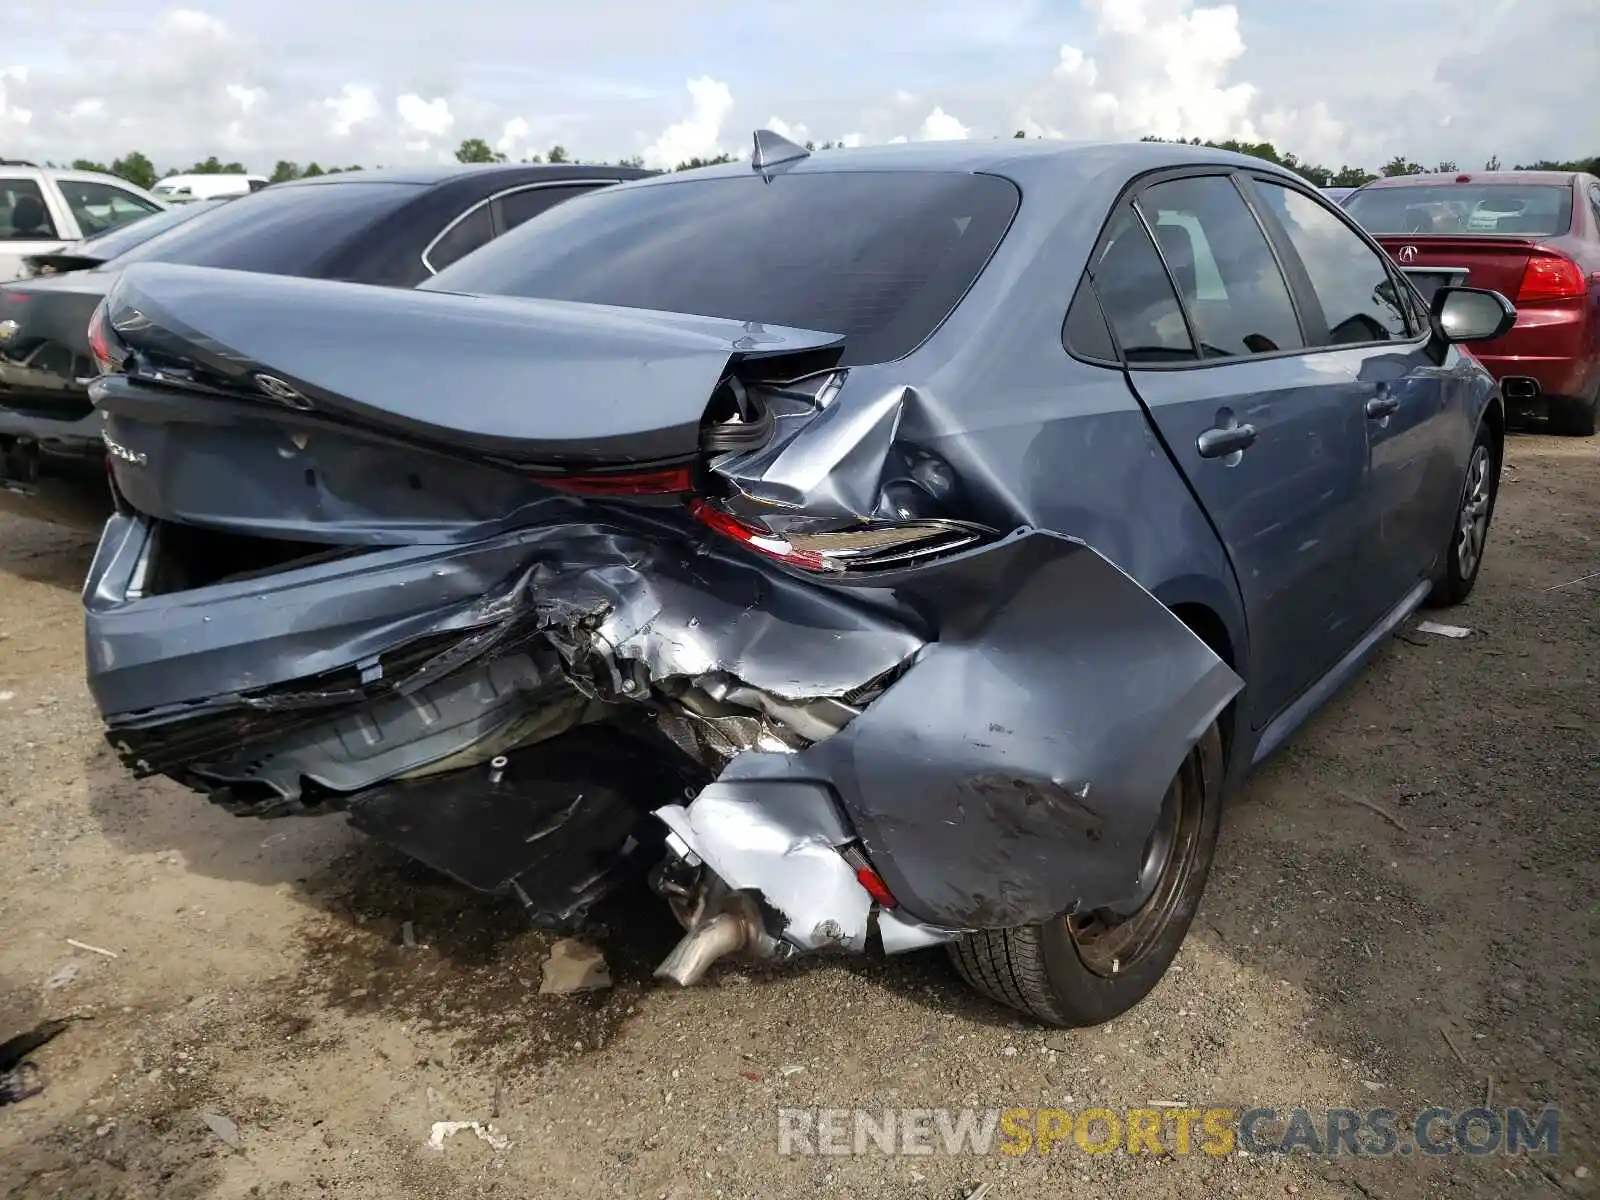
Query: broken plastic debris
(222, 1127)
(1449, 631)
(444, 1129)
(574, 966)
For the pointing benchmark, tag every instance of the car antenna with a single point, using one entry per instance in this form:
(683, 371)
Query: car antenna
(773, 148)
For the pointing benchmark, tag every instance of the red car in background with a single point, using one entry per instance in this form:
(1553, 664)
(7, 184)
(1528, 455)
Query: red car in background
(1533, 236)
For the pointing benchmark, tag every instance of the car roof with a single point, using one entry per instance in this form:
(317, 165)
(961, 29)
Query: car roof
(1435, 178)
(67, 173)
(429, 176)
(1049, 161)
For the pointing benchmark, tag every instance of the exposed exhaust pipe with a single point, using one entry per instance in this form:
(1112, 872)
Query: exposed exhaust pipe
(691, 958)
(1520, 387)
(719, 921)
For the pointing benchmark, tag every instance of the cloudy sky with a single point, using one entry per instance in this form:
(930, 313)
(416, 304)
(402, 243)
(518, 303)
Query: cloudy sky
(391, 81)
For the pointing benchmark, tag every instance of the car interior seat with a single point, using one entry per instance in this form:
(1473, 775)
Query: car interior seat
(28, 218)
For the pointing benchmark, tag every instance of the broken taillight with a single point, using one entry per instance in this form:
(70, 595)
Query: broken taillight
(667, 481)
(866, 546)
(868, 877)
(108, 351)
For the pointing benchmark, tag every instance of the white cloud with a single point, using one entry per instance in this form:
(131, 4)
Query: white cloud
(247, 98)
(699, 134)
(353, 105)
(513, 139)
(940, 126)
(429, 117)
(399, 81)
(1159, 67)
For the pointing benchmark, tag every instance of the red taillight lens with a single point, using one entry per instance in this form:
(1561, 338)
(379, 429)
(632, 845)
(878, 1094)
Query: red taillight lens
(869, 878)
(1551, 277)
(668, 481)
(109, 353)
(869, 546)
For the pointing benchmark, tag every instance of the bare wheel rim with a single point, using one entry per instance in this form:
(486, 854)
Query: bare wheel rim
(1472, 526)
(1110, 943)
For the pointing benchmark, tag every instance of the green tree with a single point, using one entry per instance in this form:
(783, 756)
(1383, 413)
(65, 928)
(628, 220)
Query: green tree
(476, 150)
(214, 166)
(285, 171)
(1352, 177)
(136, 169)
(697, 162)
(1021, 133)
(85, 164)
(633, 160)
(1493, 164)
(558, 154)
(1447, 166)
(312, 171)
(1401, 165)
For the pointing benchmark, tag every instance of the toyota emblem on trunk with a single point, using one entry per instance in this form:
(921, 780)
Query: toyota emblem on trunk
(280, 391)
(1408, 254)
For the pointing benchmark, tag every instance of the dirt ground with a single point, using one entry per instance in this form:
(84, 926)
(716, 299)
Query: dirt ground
(1441, 942)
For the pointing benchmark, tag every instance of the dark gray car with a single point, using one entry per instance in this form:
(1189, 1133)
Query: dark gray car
(898, 546)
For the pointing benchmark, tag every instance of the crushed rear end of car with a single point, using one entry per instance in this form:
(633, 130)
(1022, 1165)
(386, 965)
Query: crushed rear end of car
(544, 593)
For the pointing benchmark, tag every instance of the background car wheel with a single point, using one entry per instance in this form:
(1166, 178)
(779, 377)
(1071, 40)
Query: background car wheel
(1572, 417)
(1470, 534)
(1088, 969)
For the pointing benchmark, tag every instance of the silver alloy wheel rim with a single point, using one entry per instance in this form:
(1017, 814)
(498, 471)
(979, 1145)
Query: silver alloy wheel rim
(1473, 527)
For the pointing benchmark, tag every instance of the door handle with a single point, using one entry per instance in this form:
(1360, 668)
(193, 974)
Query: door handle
(1223, 441)
(1384, 405)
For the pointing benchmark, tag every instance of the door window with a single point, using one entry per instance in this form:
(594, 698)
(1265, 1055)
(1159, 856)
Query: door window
(1223, 266)
(1594, 202)
(461, 239)
(1358, 295)
(100, 207)
(530, 202)
(23, 215)
(1137, 298)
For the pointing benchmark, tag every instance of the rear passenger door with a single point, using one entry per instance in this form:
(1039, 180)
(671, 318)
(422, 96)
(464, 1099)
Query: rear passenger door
(1215, 340)
(1379, 349)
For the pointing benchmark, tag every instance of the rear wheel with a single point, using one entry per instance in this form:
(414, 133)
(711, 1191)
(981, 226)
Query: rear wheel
(1087, 969)
(1571, 416)
(1470, 533)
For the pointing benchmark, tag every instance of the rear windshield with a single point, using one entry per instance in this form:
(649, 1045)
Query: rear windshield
(280, 230)
(1523, 209)
(124, 238)
(880, 257)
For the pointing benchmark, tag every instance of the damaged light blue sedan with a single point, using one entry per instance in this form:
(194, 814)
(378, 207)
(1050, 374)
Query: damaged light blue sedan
(880, 548)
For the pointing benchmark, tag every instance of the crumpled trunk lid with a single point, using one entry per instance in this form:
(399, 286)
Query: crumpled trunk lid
(535, 383)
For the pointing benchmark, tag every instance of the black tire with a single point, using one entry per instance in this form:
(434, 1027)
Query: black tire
(1046, 970)
(1455, 581)
(1571, 417)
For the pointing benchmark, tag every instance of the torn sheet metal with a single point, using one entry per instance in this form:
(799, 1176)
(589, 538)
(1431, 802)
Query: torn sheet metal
(1015, 771)
(781, 841)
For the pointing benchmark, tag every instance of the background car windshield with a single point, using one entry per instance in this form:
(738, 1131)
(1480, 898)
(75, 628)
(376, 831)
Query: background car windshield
(879, 257)
(1538, 210)
(119, 241)
(279, 230)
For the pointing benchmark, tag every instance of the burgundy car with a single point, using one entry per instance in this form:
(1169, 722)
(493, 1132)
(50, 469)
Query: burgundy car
(1533, 236)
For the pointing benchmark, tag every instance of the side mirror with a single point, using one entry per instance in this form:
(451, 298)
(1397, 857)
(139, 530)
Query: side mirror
(1464, 314)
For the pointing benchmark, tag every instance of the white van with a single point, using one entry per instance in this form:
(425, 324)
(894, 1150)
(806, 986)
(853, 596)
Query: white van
(180, 189)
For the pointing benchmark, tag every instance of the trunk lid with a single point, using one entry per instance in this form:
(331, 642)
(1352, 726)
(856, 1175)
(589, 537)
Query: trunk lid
(542, 385)
(1439, 260)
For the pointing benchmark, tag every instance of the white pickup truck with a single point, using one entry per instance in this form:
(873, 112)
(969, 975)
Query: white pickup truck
(44, 208)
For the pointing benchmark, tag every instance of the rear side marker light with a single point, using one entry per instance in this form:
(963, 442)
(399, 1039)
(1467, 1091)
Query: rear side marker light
(863, 547)
(1551, 277)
